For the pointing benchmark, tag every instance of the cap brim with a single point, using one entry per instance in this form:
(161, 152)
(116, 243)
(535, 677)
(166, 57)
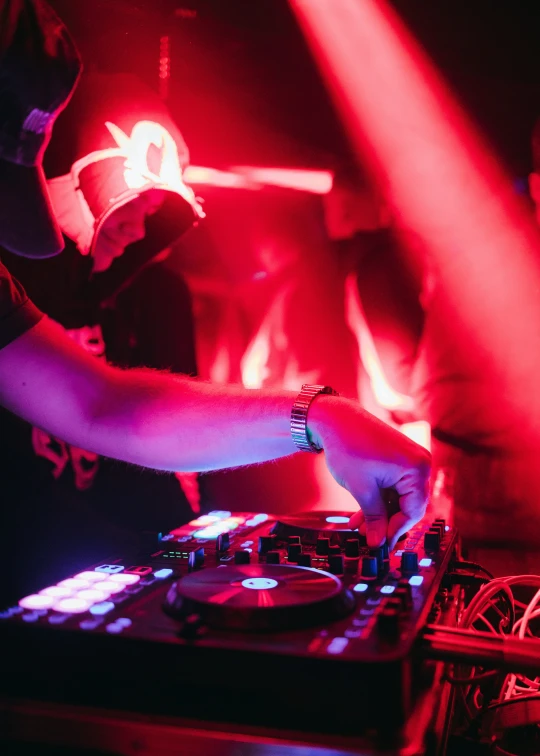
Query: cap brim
(27, 223)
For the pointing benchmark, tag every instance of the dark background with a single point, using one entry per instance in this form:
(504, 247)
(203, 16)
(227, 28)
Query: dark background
(245, 91)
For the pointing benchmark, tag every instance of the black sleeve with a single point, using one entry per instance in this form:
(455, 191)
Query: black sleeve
(17, 313)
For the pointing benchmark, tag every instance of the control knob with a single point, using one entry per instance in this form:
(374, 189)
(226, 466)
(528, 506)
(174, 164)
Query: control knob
(369, 567)
(409, 562)
(241, 557)
(352, 548)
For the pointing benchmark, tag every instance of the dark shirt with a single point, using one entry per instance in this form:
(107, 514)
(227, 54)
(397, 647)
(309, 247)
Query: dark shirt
(17, 313)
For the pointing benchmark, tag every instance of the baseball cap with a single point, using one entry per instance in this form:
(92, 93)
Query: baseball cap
(39, 68)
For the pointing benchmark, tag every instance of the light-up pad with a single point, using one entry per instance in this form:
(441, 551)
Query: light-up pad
(37, 601)
(93, 595)
(220, 514)
(108, 587)
(92, 577)
(162, 574)
(73, 605)
(203, 521)
(388, 588)
(337, 645)
(360, 587)
(58, 591)
(259, 584)
(426, 562)
(126, 578)
(75, 583)
(416, 580)
(337, 520)
(104, 608)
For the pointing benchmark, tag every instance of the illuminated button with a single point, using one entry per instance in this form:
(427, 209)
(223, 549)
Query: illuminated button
(124, 622)
(162, 574)
(360, 621)
(114, 628)
(367, 611)
(337, 520)
(259, 584)
(110, 569)
(398, 553)
(337, 645)
(375, 601)
(108, 587)
(30, 617)
(92, 577)
(126, 578)
(37, 601)
(426, 562)
(360, 587)
(75, 583)
(58, 591)
(15, 610)
(258, 518)
(210, 532)
(201, 522)
(58, 619)
(104, 608)
(73, 605)
(353, 633)
(92, 595)
(388, 589)
(416, 580)
(220, 514)
(6, 614)
(447, 528)
(140, 569)
(90, 624)
(246, 544)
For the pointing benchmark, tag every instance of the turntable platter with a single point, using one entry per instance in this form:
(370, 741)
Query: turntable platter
(260, 597)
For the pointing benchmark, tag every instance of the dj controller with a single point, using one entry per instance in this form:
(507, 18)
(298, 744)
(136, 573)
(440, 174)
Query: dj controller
(240, 617)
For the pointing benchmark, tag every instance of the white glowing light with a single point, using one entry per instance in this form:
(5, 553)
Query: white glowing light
(72, 605)
(108, 587)
(125, 578)
(75, 583)
(92, 595)
(58, 591)
(37, 601)
(91, 577)
(337, 520)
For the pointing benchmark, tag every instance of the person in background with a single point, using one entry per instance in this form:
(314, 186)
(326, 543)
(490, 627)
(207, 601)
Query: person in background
(141, 416)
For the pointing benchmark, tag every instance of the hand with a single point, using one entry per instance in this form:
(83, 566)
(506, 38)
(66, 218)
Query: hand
(366, 456)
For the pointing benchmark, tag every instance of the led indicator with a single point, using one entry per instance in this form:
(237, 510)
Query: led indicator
(37, 601)
(447, 528)
(124, 622)
(337, 645)
(388, 588)
(416, 580)
(110, 568)
(337, 520)
(73, 605)
(104, 608)
(114, 628)
(360, 587)
(259, 584)
(30, 617)
(162, 574)
(426, 562)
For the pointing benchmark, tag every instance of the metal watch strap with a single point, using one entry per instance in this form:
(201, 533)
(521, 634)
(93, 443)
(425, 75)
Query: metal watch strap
(299, 415)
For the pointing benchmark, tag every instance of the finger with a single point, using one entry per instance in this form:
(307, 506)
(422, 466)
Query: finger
(356, 520)
(399, 524)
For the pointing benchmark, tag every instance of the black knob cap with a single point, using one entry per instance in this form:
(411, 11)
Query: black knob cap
(378, 554)
(294, 551)
(432, 540)
(439, 528)
(196, 559)
(369, 567)
(304, 560)
(409, 562)
(386, 551)
(273, 557)
(223, 542)
(294, 539)
(388, 623)
(335, 550)
(352, 547)
(440, 520)
(241, 557)
(336, 564)
(404, 591)
(323, 544)
(266, 543)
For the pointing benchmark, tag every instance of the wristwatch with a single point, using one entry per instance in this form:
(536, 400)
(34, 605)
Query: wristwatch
(299, 415)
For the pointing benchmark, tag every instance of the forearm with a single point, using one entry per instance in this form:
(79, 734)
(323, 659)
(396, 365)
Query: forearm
(173, 423)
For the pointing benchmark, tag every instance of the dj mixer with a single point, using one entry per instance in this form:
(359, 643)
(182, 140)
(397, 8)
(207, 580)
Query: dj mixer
(240, 617)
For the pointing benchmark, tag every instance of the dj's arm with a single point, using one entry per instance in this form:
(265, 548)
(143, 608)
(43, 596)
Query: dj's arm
(173, 423)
